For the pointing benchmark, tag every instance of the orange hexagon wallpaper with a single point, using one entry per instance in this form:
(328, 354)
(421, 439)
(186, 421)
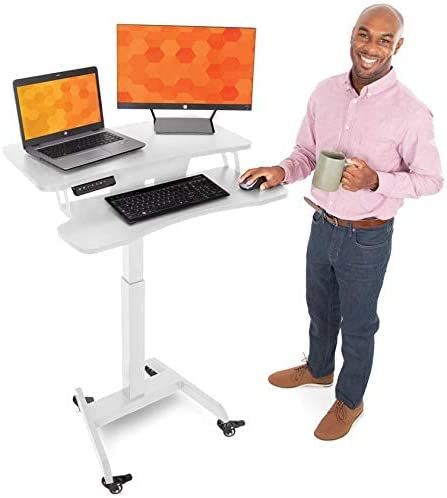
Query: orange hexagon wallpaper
(58, 105)
(185, 64)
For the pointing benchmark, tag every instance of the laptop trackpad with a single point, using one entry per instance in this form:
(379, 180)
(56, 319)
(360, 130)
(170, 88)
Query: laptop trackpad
(91, 155)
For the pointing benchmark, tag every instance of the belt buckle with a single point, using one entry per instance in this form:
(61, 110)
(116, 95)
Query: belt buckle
(334, 218)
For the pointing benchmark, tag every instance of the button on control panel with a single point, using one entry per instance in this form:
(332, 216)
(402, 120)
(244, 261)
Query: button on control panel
(88, 187)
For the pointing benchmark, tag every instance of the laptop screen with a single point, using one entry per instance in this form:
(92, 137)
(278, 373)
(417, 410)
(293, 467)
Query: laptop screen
(58, 105)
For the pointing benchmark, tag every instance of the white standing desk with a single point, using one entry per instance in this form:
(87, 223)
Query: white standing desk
(94, 226)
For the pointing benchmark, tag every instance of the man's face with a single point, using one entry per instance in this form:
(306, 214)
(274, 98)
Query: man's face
(375, 39)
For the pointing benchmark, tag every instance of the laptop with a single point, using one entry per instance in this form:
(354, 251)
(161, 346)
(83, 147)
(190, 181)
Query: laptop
(61, 120)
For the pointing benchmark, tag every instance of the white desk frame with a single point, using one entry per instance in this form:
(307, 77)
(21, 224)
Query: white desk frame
(87, 216)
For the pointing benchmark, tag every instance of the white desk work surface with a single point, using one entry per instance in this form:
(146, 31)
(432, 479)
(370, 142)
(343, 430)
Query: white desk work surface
(94, 226)
(159, 149)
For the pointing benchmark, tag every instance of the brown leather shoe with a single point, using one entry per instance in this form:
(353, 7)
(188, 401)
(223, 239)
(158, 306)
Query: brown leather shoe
(338, 421)
(299, 376)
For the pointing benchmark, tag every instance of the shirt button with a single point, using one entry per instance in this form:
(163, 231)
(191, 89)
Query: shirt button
(347, 127)
(354, 101)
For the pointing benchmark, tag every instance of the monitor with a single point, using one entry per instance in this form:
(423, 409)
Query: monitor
(185, 67)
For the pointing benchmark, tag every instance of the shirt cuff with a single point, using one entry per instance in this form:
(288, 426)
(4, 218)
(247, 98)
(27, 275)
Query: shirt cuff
(386, 183)
(286, 167)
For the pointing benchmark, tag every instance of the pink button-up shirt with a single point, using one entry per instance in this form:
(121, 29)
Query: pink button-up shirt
(386, 126)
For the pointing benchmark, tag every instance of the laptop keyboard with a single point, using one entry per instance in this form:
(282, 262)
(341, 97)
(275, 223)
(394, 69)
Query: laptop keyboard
(147, 202)
(79, 144)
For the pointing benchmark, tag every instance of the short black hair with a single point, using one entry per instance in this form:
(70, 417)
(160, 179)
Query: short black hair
(395, 11)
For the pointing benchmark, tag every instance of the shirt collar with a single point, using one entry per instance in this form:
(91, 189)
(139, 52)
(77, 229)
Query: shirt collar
(376, 87)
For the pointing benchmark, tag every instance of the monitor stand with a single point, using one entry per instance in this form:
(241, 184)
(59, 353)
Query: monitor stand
(183, 126)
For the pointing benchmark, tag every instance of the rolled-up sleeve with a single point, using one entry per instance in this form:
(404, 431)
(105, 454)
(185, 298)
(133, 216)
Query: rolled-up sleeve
(301, 162)
(421, 158)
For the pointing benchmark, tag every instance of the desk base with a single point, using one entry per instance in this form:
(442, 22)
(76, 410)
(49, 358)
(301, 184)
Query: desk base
(117, 405)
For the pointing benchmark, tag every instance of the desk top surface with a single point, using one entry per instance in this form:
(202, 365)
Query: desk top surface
(94, 225)
(159, 149)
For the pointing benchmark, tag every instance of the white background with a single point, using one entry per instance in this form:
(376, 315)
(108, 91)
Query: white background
(225, 293)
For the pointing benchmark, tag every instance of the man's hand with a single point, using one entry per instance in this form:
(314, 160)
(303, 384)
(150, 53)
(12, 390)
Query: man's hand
(359, 175)
(274, 174)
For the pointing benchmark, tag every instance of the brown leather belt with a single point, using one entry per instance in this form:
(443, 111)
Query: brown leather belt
(366, 223)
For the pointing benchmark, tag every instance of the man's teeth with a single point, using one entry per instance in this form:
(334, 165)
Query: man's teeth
(368, 61)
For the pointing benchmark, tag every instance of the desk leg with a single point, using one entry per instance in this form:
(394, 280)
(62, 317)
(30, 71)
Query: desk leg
(132, 299)
(94, 435)
(64, 204)
(191, 390)
(225, 159)
(237, 166)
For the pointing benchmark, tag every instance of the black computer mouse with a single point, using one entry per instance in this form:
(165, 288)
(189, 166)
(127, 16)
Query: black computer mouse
(246, 185)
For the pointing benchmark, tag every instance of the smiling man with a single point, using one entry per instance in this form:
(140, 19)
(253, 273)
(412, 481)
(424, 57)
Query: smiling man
(388, 135)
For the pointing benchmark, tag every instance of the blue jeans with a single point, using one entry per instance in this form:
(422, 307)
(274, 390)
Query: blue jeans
(344, 275)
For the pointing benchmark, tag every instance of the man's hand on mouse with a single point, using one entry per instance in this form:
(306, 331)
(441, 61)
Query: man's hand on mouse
(274, 174)
(359, 175)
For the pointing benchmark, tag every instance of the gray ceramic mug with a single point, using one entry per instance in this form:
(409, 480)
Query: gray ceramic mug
(329, 170)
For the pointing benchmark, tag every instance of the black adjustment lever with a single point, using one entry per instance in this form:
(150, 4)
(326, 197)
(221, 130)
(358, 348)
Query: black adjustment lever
(116, 486)
(229, 428)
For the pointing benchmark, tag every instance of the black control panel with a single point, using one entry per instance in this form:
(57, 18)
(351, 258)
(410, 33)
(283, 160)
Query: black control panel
(88, 187)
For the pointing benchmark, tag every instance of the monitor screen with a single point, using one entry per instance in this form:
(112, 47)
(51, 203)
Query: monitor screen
(57, 105)
(194, 67)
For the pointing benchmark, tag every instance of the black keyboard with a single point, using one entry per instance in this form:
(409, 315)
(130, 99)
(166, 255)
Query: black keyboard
(80, 144)
(143, 203)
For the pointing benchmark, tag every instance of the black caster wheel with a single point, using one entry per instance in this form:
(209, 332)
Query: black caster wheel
(88, 399)
(116, 486)
(229, 428)
(150, 371)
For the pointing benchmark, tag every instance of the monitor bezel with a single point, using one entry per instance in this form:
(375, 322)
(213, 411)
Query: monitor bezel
(50, 77)
(185, 105)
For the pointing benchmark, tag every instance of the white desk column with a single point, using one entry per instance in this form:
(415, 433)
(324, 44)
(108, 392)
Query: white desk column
(132, 297)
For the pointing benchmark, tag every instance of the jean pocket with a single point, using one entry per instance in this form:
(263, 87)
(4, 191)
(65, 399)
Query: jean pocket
(317, 217)
(373, 238)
